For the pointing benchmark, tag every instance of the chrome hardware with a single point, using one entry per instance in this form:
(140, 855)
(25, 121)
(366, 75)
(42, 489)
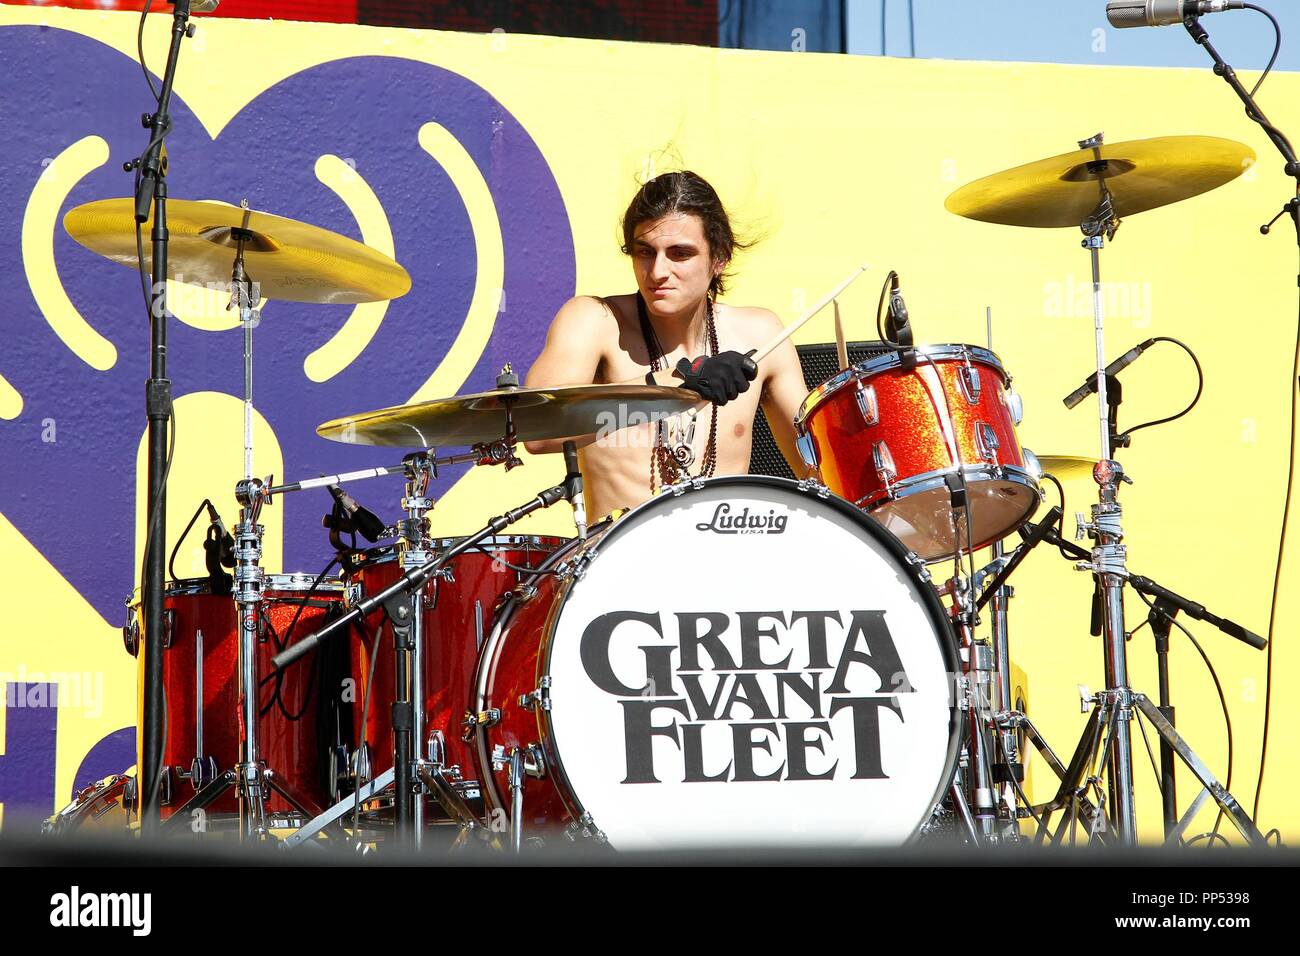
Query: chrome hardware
(968, 380)
(541, 696)
(585, 827)
(1032, 464)
(578, 566)
(1082, 527)
(131, 636)
(1015, 407)
(884, 462)
(807, 449)
(986, 442)
(868, 404)
(813, 486)
(478, 624)
(472, 721)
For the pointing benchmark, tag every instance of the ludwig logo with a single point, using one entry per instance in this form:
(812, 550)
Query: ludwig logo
(743, 521)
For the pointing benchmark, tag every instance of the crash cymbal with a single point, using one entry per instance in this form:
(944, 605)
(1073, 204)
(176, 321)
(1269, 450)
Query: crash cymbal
(1141, 174)
(1068, 467)
(292, 261)
(538, 414)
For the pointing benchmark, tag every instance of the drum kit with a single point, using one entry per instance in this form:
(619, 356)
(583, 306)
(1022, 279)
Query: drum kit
(738, 661)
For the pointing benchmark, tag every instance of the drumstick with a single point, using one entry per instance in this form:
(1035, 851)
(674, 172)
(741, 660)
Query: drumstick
(799, 323)
(841, 349)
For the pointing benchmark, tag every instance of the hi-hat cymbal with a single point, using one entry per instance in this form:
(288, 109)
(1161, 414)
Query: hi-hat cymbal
(292, 261)
(1068, 467)
(537, 413)
(1140, 174)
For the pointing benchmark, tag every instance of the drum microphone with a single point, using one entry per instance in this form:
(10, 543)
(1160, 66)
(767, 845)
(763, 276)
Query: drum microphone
(897, 327)
(204, 6)
(225, 542)
(1114, 368)
(366, 522)
(1159, 13)
(574, 482)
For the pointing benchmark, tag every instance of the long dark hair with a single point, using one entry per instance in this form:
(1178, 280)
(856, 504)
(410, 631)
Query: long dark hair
(685, 192)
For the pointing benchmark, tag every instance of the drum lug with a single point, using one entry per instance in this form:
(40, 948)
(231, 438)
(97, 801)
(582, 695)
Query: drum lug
(472, 721)
(986, 442)
(131, 636)
(868, 404)
(922, 571)
(1015, 407)
(968, 380)
(542, 695)
(169, 625)
(885, 467)
(813, 486)
(807, 448)
(578, 566)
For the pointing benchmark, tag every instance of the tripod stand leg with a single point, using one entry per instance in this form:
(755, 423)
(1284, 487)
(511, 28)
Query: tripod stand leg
(963, 813)
(1072, 781)
(1226, 801)
(1175, 834)
(442, 790)
(305, 807)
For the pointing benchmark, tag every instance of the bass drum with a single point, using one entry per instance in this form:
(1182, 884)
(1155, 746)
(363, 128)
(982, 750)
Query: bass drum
(738, 662)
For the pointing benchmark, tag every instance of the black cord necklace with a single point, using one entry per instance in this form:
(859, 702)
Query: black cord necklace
(669, 466)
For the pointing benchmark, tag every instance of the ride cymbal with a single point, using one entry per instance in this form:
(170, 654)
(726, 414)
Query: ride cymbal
(1140, 174)
(290, 260)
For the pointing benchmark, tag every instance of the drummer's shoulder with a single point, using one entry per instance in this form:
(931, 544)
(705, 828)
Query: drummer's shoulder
(755, 322)
(587, 313)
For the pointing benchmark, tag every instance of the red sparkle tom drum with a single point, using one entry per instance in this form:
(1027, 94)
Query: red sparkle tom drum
(896, 437)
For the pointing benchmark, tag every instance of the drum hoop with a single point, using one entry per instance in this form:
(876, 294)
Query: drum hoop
(907, 562)
(273, 582)
(881, 363)
(542, 543)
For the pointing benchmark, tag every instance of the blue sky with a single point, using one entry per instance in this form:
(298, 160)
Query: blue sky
(1064, 31)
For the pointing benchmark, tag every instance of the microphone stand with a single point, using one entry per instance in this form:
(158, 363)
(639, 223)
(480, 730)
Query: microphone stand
(152, 189)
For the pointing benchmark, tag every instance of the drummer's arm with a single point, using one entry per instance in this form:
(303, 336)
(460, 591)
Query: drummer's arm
(783, 393)
(571, 356)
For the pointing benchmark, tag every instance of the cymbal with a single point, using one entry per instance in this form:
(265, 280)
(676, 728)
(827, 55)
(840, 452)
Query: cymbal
(292, 261)
(1068, 467)
(1141, 174)
(538, 414)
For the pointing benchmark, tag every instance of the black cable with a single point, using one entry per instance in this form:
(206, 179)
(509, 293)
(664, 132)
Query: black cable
(1277, 45)
(171, 562)
(1200, 387)
(880, 306)
(1277, 574)
(363, 745)
(139, 46)
(151, 529)
(1060, 521)
(277, 698)
(1223, 700)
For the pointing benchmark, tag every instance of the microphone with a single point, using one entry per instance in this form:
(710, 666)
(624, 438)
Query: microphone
(225, 541)
(204, 6)
(1114, 368)
(574, 482)
(897, 327)
(1159, 13)
(366, 522)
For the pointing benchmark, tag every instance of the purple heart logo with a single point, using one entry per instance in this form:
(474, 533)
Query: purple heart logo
(73, 497)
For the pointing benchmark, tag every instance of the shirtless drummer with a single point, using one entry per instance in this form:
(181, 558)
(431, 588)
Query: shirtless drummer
(673, 331)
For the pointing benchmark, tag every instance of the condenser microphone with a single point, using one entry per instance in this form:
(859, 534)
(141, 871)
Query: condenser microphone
(204, 6)
(1114, 368)
(1161, 13)
(367, 523)
(574, 482)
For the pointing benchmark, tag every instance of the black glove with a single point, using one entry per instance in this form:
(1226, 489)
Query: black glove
(719, 378)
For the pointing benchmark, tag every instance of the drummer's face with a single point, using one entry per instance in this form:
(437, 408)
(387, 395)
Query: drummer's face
(673, 267)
